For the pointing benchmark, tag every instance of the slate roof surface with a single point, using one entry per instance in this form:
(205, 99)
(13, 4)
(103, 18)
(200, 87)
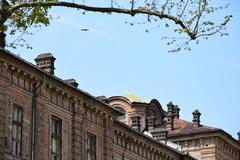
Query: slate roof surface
(182, 127)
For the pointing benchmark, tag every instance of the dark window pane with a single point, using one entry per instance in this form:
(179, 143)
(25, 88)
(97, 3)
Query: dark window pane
(56, 126)
(55, 157)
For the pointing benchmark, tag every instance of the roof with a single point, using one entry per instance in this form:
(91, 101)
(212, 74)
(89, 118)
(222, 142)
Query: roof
(119, 97)
(182, 127)
(87, 94)
(160, 129)
(44, 55)
(72, 81)
(60, 80)
(133, 98)
(153, 140)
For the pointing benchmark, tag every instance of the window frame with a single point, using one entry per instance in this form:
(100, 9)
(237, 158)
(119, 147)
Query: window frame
(93, 151)
(19, 124)
(57, 137)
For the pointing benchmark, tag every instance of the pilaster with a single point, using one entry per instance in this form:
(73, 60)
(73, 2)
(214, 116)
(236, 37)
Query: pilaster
(76, 134)
(108, 137)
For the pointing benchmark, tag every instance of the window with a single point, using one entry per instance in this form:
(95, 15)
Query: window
(91, 147)
(56, 138)
(17, 130)
(136, 120)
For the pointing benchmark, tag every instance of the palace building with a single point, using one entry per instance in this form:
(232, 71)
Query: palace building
(202, 142)
(43, 117)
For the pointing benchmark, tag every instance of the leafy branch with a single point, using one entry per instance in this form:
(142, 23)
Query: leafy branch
(189, 16)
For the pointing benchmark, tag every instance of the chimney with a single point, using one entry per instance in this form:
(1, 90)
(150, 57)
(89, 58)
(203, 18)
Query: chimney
(196, 118)
(170, 116)
(136, 123)
(176, 111)
(45, 62)
(151, 123)
(238, 136)
(72, 82)
(160, 134)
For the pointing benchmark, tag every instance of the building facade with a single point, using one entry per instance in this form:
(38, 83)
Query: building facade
(202, 142)
(43, 117)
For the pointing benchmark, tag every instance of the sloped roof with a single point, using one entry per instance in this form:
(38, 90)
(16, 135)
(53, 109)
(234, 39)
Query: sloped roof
(182, 127)
(8, 53)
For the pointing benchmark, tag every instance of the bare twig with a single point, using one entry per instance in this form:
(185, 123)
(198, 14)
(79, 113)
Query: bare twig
(195, 30)
(185, 6)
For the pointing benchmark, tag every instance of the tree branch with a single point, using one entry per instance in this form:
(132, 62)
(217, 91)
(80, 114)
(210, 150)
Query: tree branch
(185, 6)
(199, 15)
(210, 33)
(131, 12)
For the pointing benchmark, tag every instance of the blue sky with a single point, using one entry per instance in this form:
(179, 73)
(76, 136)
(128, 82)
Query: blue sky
(113, 58)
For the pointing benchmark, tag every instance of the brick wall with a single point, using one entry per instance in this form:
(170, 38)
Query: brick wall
(209, 147)
(80, 114)
(2, 119)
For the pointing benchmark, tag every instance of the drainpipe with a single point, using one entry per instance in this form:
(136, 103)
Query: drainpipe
(34, 110)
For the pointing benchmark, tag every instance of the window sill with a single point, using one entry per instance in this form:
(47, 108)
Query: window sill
(12, 157)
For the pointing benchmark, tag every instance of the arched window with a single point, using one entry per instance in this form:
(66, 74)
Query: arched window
(122, 118)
